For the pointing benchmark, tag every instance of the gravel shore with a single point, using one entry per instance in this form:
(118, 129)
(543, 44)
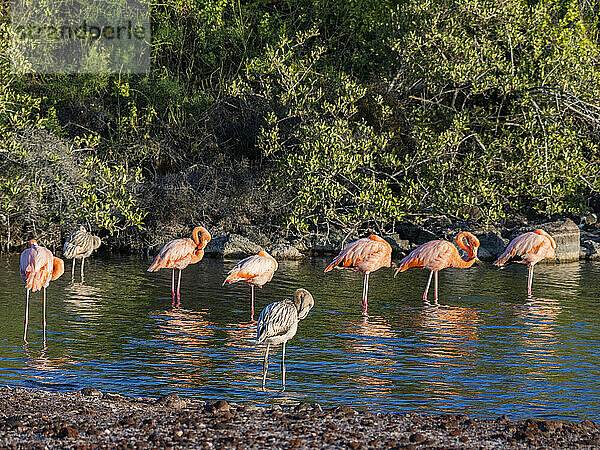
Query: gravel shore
(91, 419)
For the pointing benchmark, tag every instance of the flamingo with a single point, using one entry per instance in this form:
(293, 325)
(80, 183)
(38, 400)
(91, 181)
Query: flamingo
(256, 270)
(528, 248)
(79, 245)
(178, 254)
(365, 255)
(439, 254)
(278, 323)
(38, 268)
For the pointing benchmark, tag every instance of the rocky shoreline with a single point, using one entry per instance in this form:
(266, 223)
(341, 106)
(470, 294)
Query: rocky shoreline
(90, 419)
(573, 244)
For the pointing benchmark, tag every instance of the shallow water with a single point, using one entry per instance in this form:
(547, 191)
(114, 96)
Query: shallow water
(485, 350)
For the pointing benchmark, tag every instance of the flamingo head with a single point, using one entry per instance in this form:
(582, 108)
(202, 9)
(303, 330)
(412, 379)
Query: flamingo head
(469, 243)
(31, 243)
(304, 301)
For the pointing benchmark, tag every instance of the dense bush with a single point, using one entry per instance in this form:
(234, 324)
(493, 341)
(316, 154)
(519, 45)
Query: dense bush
(311, 114)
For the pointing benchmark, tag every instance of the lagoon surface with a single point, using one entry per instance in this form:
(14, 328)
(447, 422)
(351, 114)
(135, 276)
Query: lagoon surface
(485, 350)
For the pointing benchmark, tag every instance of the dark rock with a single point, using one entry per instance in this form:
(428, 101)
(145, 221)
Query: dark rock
(91, 392)
(400, 247)
(417, 438)
(231, 246)
(284, 251)
(68, 432)
(171, 400)
(589, 219)
(492, 245)
(221, 405)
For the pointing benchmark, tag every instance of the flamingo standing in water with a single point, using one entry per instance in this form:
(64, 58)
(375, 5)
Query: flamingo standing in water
(79, 245)
(278, 323)
(439, 254)
(255, 270)
(529, 248)
(38, 267)
(365, 256)
(178, 254)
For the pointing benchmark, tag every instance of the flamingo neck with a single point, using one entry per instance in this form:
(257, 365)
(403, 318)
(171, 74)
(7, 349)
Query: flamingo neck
(204, 238)
(463, 241)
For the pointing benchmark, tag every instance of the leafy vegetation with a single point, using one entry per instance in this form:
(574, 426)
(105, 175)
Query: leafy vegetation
(307, 115)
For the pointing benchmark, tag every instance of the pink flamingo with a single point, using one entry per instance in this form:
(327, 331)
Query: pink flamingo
(439, 254)
(256, 270)
(38, 268)
(365, 256)
(529, 248)
(178, 254)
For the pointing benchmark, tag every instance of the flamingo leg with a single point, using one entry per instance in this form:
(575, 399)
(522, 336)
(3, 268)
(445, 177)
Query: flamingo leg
(73, 270)
(435, 284)
(265, 368)
(365, 292)
(82, 262)
(529, 280)
(283, 369)
(252, 305)
(427, 287)
(44, 315)
(173, 286)
(26, 316)
(178, 287)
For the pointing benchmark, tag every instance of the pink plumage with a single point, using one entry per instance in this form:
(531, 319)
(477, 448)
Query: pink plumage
(529, 248)
(37, 268)
(437, 255)
(180, 253)
(365, 255)
(256, 270)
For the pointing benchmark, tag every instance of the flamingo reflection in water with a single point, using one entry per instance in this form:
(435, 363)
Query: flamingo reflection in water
(187, 341)
(278, 323)
(375, 345)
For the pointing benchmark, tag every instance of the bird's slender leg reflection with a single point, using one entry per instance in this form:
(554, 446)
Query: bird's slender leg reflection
(283, 369)
(265, 367)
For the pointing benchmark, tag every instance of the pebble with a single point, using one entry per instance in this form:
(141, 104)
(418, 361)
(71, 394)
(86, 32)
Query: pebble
(135, 423)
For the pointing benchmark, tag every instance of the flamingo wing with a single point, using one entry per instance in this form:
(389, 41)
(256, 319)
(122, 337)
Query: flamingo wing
(250, 268)
(363, 255)
(36, 267)
(175, 254)
(433, 255)
(80, 242)
(528, 248)
(276, 319)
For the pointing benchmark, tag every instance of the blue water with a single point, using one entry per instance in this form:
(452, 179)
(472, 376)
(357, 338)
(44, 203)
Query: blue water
(485, 350)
